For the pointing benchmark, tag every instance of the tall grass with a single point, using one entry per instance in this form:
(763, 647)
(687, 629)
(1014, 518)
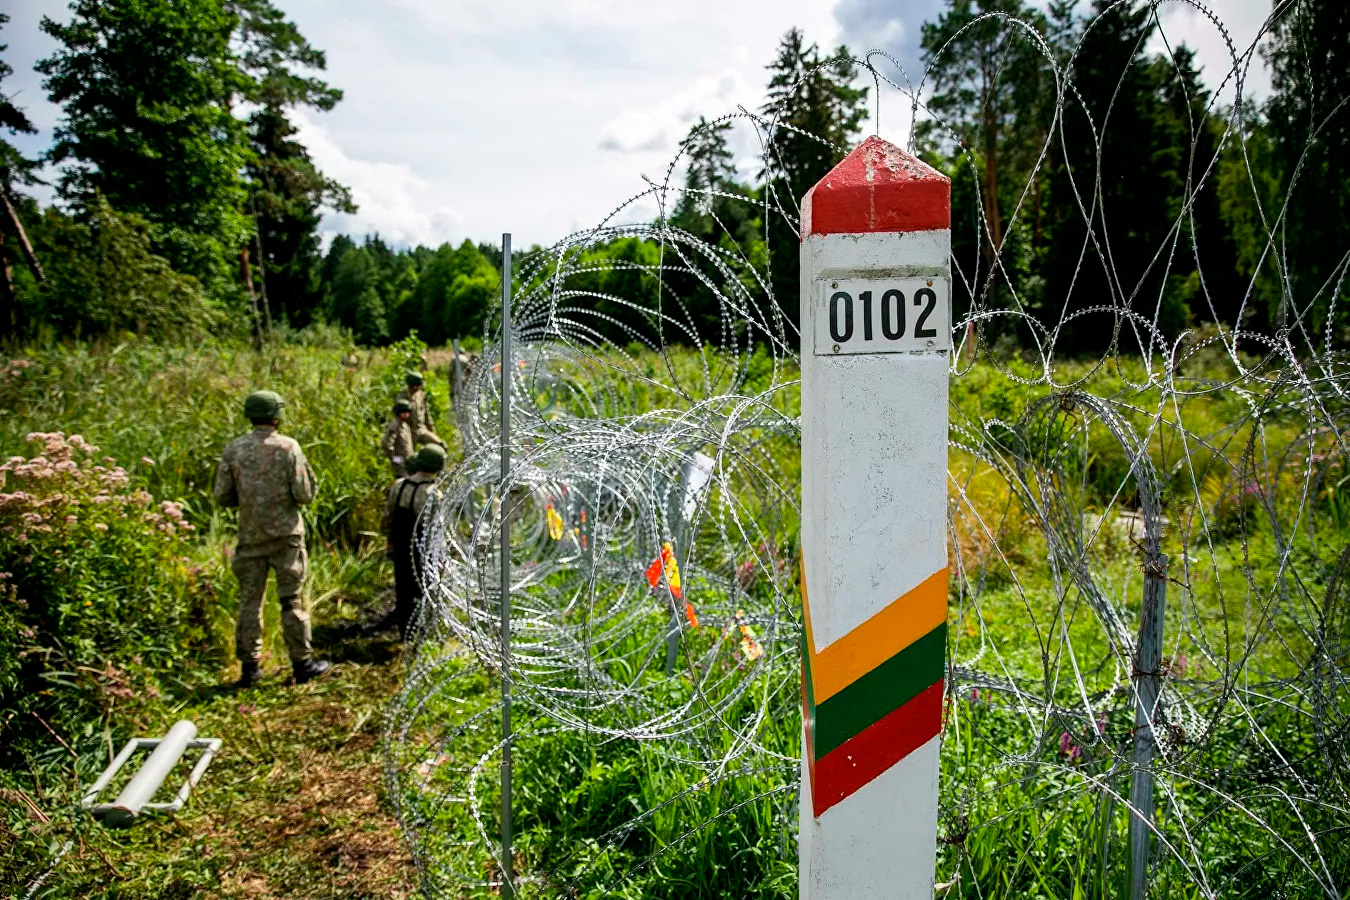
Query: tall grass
(168, 411)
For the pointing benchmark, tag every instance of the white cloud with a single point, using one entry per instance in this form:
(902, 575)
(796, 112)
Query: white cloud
(661, 127)
(392, 200)
(1242, 23)
(886, 25)
(471, 118)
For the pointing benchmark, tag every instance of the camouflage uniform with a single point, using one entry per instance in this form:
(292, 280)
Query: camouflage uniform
(398, 443)
(419, 421)
(402, 511)
(266, 475)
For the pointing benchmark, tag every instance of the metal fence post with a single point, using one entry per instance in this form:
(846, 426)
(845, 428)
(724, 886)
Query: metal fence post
(1148, 687)
(508, 876)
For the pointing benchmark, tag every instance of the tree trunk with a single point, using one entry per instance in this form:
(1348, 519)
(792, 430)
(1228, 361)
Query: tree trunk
(9, 312)
(29, 256)
(246, 272)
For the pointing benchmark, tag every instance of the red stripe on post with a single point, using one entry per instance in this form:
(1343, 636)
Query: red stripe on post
(857, 762)
(878, 187)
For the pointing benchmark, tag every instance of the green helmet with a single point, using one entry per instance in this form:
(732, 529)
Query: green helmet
(263, 405)
(430, 458)
(402, 406)
(413, 379)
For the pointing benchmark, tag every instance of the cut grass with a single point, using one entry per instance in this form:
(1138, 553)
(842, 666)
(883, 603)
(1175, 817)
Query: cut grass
(293, 807)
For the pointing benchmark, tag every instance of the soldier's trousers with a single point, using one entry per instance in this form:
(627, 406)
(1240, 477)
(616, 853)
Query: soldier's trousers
(251, 564)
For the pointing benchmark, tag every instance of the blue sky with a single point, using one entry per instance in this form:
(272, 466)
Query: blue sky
(468, 118)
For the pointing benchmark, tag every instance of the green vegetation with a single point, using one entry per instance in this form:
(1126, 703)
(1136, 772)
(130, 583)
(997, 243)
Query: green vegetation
(118, 604)
(609, 818)
(189, 221)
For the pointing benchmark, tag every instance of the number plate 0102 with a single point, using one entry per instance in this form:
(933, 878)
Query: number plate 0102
(883, 315)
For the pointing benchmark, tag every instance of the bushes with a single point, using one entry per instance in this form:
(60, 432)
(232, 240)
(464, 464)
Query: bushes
(180, 405)
(95, 589)
(100, 604)
(107, 277)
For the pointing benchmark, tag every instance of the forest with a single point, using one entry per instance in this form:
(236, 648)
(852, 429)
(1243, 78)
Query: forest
(187, 203)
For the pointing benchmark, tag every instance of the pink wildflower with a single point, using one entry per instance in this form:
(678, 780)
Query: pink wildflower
(100, 526)
(147, 460)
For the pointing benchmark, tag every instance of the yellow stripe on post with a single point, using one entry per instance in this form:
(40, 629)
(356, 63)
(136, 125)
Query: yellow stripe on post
(907, 619)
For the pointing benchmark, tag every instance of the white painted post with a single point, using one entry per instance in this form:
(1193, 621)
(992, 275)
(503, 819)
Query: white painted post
(876, 340)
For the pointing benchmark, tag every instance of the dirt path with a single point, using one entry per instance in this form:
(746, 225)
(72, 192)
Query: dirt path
(293, 807)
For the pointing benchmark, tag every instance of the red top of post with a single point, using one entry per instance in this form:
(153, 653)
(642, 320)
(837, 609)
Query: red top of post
(878, 187)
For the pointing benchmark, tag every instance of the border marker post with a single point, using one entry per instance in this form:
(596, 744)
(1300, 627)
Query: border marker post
(876, 345)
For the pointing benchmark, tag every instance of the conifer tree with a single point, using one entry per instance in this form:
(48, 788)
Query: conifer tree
(146, 88)
(1309, 116)
(287, 192)
(814, 112)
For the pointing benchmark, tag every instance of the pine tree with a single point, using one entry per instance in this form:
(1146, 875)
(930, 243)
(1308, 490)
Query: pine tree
(287, 192)
(813, 113)
(147, 88)
(993, 103)
(15, 169)
(1113, 206)
(1309, 116)
(1204, 269)
(719, 211)
(709, 168)
(288, 196)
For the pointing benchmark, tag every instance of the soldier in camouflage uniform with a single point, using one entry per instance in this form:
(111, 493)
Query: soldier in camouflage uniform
(266, 475)
(407, 498)
(398, 438)
(419, 421)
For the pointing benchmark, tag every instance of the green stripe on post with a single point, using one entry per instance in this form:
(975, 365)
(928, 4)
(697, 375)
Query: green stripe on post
(880, 692)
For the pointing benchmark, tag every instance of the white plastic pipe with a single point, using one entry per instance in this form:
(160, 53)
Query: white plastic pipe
(148, 779)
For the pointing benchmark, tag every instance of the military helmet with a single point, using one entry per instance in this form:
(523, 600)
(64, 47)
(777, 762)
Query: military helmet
(402, 406)
(413, 379)
(430, 458)
(263, 405)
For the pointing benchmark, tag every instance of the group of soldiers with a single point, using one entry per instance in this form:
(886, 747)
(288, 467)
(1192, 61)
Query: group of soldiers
(266, 476)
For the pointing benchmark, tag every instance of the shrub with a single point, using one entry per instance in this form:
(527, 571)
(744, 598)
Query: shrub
(95, 591)
(108, 278)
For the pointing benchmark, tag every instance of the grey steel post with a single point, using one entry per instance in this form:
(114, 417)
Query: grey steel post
(508, 876)
(1148, 687)
(143, 785)
(454, 370)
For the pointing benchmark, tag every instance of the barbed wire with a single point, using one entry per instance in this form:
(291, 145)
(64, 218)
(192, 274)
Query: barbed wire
(1195, 472)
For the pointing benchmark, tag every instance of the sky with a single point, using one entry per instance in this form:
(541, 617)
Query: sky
(469, 118)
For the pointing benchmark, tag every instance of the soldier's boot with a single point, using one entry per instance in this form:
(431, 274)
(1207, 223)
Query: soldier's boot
(249, 673)
(309, 669)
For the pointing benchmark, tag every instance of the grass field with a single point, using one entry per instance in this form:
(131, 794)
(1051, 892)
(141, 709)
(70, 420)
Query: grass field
(297, 804)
